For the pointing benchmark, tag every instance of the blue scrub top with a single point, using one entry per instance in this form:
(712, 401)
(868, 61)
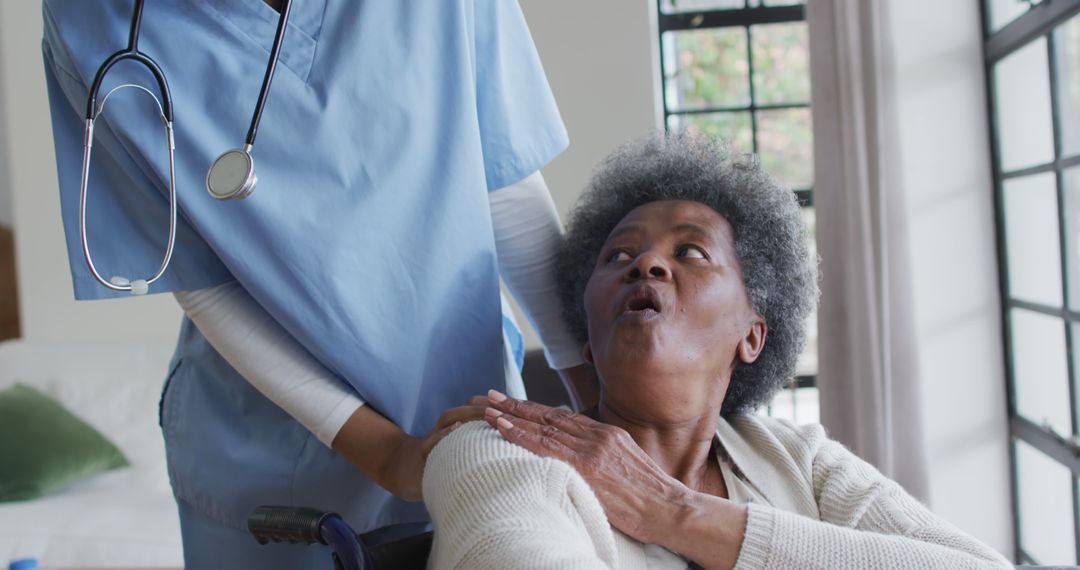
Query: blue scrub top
(368, 236)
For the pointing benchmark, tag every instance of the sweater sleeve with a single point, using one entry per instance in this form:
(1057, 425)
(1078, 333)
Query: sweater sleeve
(496, 505)
(867, 521)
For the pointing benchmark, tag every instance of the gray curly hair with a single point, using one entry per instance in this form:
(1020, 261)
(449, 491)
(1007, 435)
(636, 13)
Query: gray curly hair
(770, 242)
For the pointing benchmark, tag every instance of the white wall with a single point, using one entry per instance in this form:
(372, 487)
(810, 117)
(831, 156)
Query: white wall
(46, 308)
(946, 166)
(599, 57)
(7, 216)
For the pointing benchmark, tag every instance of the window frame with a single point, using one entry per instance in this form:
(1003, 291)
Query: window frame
(1039, 21)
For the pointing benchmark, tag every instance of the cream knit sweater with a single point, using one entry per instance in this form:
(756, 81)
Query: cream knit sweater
(811, 504)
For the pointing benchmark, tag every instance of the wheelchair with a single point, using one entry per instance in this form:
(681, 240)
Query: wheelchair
(301, 525)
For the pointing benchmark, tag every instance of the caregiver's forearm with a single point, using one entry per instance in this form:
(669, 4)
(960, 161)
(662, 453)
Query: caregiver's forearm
(369, 441)
(527, 233)
(269, 358)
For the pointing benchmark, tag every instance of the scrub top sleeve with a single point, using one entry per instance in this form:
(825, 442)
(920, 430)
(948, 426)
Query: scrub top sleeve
(128, 207)
(520, 127)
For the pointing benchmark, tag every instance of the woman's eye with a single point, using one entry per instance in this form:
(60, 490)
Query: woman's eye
(692, 252)
(619, 255)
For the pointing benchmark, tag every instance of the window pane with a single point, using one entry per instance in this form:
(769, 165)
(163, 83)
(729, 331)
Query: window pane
(734, 128)
(1045, 517)
(1076, 371)
(1071, 179)
(1032, 243)
(781, 63)
(807, 406)
(671, 6)
(1039, 369)
(1067, 44)
(808, 360)
(707, 69)
(1022, 88)
(785, 143)
(797, 405)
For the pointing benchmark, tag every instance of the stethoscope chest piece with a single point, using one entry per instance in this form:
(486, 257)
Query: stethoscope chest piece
(232, 176)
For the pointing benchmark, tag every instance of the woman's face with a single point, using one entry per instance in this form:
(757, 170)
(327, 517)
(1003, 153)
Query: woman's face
(668, 312)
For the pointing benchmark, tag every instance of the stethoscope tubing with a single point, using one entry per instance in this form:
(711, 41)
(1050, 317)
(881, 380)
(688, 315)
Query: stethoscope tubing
(131, 52)
(279, 37)
(84, 198)
(93, 110)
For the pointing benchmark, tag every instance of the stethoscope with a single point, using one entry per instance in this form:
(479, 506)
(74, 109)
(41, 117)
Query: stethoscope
(231, 177)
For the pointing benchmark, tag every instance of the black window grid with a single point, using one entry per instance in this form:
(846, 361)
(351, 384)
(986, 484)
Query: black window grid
(1040, 21)
(731, 18)
(736, 18)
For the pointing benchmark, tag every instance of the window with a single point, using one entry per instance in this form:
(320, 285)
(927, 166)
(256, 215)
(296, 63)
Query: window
(1032, 57)
(740, 70)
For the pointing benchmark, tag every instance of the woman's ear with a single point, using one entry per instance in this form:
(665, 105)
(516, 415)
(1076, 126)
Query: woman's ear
(753, 341)
(586, 353)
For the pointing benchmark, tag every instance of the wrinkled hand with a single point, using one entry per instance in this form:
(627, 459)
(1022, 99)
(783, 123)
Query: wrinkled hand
(402, 471)
(637, 496)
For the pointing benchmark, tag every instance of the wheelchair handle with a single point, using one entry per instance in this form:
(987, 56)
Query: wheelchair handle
(299, 525)
(295, 525)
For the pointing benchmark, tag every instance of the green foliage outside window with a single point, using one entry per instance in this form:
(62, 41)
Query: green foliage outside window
(711, 70)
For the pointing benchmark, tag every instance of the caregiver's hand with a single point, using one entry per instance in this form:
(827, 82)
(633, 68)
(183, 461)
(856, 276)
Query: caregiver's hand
(638, 497)
(389, 456)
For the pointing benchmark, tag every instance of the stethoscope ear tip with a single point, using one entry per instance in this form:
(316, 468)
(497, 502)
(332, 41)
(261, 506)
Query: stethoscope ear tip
(137, 287)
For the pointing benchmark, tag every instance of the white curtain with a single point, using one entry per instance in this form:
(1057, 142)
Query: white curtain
(868, 373)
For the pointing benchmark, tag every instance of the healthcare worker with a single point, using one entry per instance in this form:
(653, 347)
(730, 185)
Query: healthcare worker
(337, 319)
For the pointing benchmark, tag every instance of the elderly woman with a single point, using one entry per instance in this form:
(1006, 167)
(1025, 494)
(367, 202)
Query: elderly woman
(687, 274)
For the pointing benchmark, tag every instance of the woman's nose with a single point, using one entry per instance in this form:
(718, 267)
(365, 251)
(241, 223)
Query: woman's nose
(648, 266)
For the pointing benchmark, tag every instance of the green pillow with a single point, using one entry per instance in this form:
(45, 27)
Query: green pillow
(44, 447)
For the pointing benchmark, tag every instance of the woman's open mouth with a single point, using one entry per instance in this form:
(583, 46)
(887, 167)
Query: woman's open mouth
(643, 303)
